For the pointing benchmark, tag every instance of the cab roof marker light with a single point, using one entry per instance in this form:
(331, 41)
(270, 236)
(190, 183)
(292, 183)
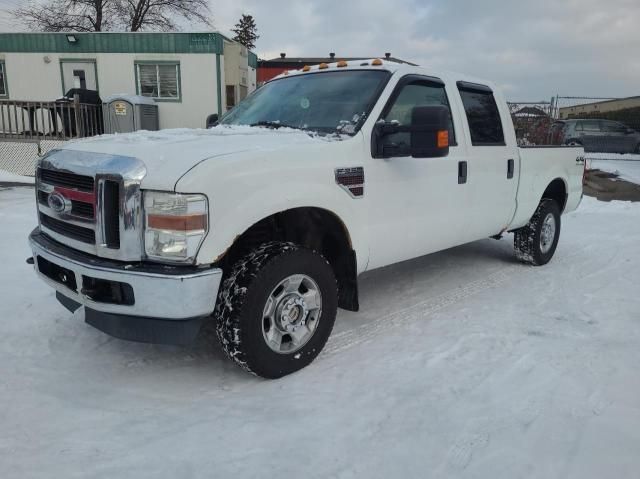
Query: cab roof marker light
(342, 64)
(306, 68)
(376, 63)
(323, 66)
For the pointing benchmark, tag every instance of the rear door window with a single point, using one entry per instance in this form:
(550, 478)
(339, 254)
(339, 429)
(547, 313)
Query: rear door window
(591, 125)
(613, 127)
(483, 116)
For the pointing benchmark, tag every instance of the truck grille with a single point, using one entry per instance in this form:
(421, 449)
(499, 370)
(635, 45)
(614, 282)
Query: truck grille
(80, 221)
(79, 233)
(79, 208)
(67, 180)
(92, 202)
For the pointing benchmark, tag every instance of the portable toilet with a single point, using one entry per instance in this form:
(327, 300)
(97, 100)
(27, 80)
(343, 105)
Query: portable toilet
(127, 113)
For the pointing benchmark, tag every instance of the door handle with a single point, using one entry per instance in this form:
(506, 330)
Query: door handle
(462, 172)
(510, 168)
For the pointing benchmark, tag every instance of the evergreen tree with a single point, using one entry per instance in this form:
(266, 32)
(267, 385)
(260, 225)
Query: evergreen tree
(246, 31)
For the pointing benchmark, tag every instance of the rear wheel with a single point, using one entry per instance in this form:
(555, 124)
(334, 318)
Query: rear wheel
(276, 309)
(536, 242)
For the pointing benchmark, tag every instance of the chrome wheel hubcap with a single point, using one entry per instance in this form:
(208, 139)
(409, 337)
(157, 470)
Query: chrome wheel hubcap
(291, 314)
(548, 233)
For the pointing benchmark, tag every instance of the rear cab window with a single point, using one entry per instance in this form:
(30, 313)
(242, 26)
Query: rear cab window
(483, 116)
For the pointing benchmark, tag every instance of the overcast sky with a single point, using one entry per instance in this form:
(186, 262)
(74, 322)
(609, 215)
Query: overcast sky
(534, 49)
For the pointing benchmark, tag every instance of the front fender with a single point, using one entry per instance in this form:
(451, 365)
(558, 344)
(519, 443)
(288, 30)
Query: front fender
(228, 222)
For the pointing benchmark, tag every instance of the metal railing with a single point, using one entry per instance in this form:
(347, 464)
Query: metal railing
(34, 121)
(608, 127)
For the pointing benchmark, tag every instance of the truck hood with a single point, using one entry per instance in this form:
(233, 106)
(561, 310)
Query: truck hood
(169, 154)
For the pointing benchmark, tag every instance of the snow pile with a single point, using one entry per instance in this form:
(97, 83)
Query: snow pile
(6, 177)
(460, 364)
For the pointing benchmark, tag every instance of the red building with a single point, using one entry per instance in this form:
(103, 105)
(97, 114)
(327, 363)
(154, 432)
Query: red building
(268, 69)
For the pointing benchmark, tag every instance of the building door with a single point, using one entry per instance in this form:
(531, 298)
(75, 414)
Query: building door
(78, 74)
(231, 96)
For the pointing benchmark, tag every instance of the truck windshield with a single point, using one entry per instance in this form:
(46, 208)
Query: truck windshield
(328, 102)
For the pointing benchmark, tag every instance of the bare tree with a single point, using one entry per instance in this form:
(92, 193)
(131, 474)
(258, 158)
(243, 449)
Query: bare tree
(104, 15)
(67, 15)
(161, 14)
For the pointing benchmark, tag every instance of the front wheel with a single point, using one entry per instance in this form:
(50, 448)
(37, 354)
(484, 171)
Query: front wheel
(536, 242)
(276, 309)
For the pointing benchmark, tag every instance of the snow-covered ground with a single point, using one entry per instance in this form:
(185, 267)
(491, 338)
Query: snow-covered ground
(461, 364)
(7, 177)
(626, 168)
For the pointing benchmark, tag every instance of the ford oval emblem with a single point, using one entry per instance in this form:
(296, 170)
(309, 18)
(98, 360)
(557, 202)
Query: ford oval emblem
(58, 203)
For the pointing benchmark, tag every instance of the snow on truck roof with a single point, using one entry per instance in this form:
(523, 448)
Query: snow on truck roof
(366, 64)
(377, 64)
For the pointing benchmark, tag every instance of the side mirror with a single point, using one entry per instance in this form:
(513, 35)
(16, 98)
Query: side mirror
(212, 120)
(428, 134)
(429, 131)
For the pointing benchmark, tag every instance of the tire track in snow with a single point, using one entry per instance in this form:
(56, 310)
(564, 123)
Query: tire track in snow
(347, 339)
(344, 340)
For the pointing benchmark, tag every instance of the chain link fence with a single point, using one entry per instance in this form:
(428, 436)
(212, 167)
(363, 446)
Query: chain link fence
(607, 128)
(20, 157)
(29, 129)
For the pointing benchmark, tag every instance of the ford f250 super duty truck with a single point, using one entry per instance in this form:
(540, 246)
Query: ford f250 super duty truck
(264, 222)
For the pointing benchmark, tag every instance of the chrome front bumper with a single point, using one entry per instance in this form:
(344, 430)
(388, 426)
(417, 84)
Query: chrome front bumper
(159, 292)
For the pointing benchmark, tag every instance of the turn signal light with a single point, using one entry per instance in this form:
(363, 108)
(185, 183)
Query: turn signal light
(178, 223)
(443, 139)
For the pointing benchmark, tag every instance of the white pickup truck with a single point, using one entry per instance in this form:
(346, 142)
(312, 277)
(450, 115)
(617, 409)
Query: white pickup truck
(264, 222)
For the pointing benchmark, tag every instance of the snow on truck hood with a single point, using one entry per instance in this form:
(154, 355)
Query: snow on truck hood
(169, 154)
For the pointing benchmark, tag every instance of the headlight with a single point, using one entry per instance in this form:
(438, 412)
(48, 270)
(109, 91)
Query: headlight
(175, 226)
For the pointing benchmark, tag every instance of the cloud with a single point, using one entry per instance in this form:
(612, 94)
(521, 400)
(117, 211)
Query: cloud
(535, 48)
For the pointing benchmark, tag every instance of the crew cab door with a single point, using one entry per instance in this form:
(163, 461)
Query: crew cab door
(493, 171)
(415, 204)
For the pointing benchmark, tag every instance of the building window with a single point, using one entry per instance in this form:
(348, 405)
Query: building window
(4, 92)
(159, 80)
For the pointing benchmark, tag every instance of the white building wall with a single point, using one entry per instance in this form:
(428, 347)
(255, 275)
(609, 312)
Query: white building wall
(253, 79)
(37, 77)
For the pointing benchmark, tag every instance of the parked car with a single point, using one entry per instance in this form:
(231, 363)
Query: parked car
(597, 136)
(263, 223)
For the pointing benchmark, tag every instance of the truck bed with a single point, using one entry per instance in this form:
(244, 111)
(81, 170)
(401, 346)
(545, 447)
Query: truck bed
(539, 166)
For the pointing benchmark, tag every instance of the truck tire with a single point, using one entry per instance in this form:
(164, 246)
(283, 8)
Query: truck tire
(536, 242)
(276, 309)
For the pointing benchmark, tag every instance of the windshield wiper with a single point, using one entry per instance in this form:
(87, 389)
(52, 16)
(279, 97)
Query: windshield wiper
(276, 125)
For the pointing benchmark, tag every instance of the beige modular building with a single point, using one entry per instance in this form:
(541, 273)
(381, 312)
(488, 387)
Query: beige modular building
(189, 75)
(599, 107)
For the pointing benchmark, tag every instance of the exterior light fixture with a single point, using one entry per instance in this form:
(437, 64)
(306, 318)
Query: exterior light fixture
(72, 39)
